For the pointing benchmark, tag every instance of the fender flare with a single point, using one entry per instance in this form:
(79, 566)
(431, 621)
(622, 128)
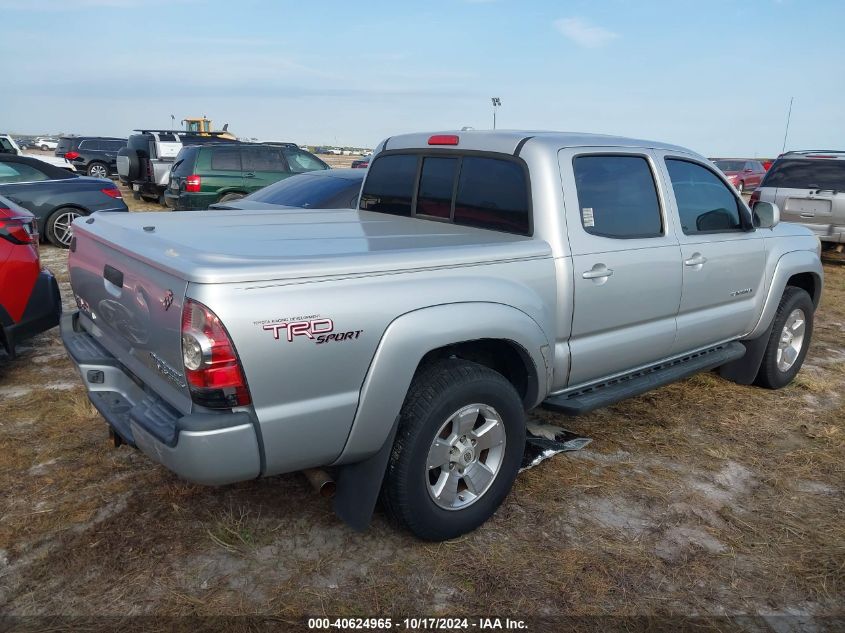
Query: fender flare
(789, 264)
(361, 465)
(410, 337)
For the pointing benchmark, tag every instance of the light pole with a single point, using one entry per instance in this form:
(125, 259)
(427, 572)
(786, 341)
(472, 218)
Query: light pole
(496, 103)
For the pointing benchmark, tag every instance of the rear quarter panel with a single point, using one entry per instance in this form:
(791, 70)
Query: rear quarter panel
(306, 392)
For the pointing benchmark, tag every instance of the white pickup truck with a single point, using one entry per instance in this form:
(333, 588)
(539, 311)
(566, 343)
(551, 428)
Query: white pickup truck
(399, 344)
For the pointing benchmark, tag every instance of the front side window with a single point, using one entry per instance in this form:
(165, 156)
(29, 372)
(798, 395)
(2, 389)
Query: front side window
(226, 159)
(617, 197)
(301, 162)
(389, 186)
(437, 180)
(705, 203)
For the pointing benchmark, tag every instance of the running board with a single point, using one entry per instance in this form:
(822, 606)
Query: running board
(636, 383)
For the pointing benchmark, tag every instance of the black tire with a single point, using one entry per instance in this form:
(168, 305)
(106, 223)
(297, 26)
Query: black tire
(97, 170)
(770, 375)
(44, 148)
(149, 198)
(436, 394)
(56, 231)
(231, 196)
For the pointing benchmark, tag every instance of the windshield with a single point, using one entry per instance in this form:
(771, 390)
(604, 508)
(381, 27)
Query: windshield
(306, 190)
(807, 174)
(730, 165)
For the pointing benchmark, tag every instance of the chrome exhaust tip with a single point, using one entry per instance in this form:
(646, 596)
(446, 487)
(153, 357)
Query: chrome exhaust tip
(321, 482)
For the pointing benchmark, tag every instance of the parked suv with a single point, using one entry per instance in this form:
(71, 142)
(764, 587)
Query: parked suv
(92, 155)
(809, 188)
(145, 163)
(44, 143)
(220, 172)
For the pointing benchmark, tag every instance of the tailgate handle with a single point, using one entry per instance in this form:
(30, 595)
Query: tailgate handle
(113, 276)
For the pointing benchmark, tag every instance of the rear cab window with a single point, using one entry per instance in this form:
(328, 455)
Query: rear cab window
(467, 188)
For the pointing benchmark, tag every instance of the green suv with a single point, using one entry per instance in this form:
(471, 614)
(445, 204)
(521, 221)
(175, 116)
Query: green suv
(218, 172)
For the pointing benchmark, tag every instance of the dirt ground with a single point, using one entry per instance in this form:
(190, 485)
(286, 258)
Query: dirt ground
(702, 498)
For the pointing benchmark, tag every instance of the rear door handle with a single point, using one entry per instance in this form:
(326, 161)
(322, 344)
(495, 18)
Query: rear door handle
(599, 271)
(697, 259)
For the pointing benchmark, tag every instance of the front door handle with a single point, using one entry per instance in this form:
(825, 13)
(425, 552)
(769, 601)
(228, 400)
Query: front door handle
(697, 259)
(599, 271)
(249, 175)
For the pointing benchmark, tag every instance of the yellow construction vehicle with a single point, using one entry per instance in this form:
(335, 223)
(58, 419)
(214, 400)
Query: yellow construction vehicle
(202, 126)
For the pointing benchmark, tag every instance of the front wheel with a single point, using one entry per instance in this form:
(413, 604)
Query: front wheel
(457, 452)
(58, 226)
(789, 340)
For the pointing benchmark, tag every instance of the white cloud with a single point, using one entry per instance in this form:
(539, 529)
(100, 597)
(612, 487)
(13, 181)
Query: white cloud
(584, 33)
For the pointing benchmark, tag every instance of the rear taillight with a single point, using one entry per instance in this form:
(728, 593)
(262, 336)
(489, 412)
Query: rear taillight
(193, 183)
(214, 373)
(755, 198)
(17, 229)
(112, 192)
(72, 155)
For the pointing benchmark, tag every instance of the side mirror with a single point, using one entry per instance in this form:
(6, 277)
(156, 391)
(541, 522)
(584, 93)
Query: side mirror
(766, 215)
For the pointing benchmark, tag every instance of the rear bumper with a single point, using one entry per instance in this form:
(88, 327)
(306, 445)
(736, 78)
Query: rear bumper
(207, 448)
(42, 312)
(825, 232)
(188, 202)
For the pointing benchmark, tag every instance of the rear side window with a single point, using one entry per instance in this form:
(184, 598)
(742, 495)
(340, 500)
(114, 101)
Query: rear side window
(113, 146)
(90, 145)
(299, 161)
(19, 172)
(264, 159)
(812, 173)
(226, 158)
(705, 203)
(492, 194)
(389, 186)
(437, 181)
(617, 197)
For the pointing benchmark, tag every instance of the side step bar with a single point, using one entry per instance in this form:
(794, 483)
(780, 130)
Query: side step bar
(612, 391)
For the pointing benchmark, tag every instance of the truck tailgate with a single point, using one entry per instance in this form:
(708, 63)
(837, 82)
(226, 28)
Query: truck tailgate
(134, 310)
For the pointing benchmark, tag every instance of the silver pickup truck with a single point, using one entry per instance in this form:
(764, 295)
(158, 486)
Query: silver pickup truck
(399, 344)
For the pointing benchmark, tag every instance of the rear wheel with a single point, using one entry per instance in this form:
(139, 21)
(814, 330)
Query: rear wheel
(231, 196)
(44, 148)
(458, 449)
(98, 170)
(58, 226)
(789, 340)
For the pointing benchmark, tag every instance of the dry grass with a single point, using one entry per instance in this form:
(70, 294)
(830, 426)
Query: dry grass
(703, 497)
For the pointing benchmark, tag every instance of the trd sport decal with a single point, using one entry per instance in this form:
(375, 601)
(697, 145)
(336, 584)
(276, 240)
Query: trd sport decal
(318, 330)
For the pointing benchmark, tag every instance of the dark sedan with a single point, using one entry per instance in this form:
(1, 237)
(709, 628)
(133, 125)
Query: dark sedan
(328, 189)
(56, 197)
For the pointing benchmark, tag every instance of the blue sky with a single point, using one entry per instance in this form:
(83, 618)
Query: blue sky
(713, 75)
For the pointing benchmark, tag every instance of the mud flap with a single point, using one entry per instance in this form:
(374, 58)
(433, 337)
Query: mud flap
(744, 370)
(358, 485)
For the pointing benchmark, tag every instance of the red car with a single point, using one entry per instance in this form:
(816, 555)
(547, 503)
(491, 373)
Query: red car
(744, 175)
(29, 295)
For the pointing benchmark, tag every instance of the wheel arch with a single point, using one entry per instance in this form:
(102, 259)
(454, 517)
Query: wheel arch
(802, 269)
(495, 335)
